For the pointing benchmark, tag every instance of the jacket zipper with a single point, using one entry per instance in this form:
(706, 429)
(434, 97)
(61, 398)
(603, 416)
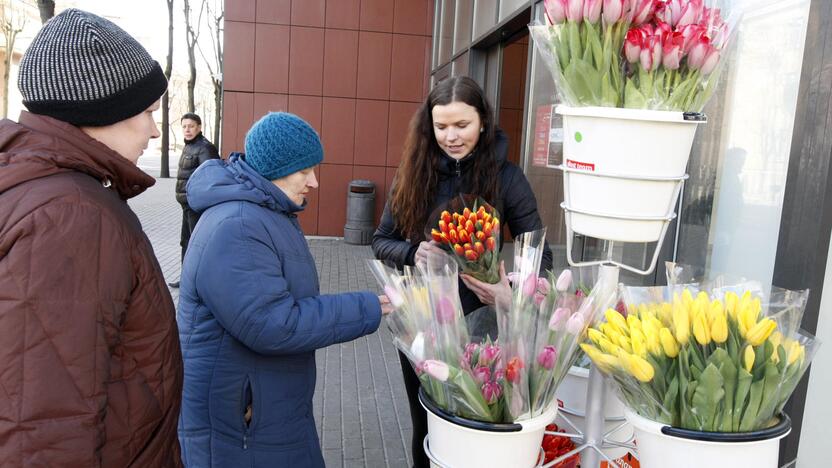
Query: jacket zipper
(458, 170)
(246, 427)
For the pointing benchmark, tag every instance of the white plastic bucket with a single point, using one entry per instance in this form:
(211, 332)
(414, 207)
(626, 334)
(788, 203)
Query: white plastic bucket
(660, 445)
(623, 169)
(456, 442)
(572, 394)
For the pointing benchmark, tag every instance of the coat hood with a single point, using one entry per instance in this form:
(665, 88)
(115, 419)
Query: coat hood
(40, 146)
(218, 181)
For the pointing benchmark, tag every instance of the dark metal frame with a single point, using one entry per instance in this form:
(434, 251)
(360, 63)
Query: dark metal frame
(806, 222)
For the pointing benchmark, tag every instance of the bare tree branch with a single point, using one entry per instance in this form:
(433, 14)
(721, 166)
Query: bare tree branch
(11, 23)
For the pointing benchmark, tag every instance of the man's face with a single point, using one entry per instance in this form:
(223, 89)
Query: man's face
(190, 128)
(129, 137)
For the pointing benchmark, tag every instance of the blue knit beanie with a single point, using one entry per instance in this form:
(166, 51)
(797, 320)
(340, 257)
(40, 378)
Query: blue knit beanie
(280, 144)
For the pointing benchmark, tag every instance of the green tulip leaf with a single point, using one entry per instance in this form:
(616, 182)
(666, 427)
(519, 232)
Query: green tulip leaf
(743, 386)
(750, 413)
(707, 397)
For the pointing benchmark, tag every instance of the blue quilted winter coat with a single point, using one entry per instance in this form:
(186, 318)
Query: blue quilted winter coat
(250, 319)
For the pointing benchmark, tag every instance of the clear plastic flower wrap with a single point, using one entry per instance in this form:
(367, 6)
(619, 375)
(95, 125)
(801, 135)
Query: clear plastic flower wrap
(641, 54)
(725, 358)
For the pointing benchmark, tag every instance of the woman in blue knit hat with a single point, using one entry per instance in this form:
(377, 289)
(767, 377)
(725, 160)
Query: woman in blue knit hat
(250, 313)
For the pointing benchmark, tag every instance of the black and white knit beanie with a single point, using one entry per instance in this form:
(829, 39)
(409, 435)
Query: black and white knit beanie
(85, 70)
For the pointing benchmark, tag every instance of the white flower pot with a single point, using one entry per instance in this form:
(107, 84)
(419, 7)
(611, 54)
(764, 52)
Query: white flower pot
(572, 394)
(659, 445)
(456, 442)
(623, 169)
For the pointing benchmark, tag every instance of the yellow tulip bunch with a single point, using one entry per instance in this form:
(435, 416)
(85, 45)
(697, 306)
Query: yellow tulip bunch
(700, 362)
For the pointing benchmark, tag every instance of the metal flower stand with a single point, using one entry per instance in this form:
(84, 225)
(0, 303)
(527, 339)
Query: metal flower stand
(594, 438)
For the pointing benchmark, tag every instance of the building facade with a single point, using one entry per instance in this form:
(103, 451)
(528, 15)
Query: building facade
(356, 70)
(758, 203)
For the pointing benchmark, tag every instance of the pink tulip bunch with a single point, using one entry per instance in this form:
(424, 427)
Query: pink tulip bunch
(672, 55)
(655, 54)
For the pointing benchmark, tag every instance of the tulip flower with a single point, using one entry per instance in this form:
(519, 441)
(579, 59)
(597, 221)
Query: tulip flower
(672, 51)
(592, 11)
(595, 335)
(615, 318)
(472, 348)
(479, 248)
(436, 369)
(446, 217)
(760, 332)
(711, 61)
(639, 344)
(633, 323)
(530, 285)
(396, 299)
(731, 299)
(748, 358)
(490, 244)
(701, 329)
(605, 362)
(574, 10)
(641, 12)
(558, 318)
(471, 256)
(482, 374)
(719, 329)
(609, 347)
(445, 311)
(513, 368)
(633, 44)
(459, 250)
(547, 357)
(613, 11)
(489, 354)
(795, 351)
(555, 10)
(575, 324)
(491, 392)
(669, 344)
(638, 367)
(681, 323)
(688, 12)
(564, 281)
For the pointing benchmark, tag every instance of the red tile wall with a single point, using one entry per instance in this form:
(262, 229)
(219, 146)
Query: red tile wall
(356, 70)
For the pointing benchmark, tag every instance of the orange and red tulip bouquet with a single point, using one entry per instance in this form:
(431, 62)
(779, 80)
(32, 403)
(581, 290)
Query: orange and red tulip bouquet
(469, 229)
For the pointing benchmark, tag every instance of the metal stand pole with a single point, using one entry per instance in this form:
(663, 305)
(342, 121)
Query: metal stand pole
(594, 429)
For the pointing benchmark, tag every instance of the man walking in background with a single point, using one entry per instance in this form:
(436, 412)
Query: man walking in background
(197, 150)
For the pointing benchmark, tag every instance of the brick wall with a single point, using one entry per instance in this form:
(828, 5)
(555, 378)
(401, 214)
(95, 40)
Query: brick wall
(356, 70)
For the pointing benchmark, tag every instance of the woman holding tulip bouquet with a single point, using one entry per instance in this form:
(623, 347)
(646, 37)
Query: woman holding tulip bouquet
(452, 148)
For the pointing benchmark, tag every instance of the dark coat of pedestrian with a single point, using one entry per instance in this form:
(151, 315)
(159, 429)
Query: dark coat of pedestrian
(250, 311)
(197, 151)
(90, 365)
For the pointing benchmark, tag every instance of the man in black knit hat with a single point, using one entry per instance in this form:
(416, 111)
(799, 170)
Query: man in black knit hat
(90, 365)
(197, 150)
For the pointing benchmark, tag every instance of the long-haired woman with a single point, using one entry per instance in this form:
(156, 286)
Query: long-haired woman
(452, 147)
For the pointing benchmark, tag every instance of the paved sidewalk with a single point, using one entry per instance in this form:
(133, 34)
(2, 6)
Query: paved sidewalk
(360, 404)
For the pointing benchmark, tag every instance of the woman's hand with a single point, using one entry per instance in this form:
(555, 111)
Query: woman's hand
(425, 250)
(386, 306)
(490, 294)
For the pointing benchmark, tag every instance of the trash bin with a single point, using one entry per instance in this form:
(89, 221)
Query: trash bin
(361, 203)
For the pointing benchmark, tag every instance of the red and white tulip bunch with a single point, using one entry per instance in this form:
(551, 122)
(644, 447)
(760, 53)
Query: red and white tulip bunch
(673, 54)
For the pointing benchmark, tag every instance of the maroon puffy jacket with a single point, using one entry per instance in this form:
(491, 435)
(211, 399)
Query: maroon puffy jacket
(90, 367)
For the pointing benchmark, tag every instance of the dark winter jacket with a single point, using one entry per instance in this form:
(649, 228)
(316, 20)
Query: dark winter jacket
(90, 368)
(517, 206)
(250, 319)
(196, 152)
